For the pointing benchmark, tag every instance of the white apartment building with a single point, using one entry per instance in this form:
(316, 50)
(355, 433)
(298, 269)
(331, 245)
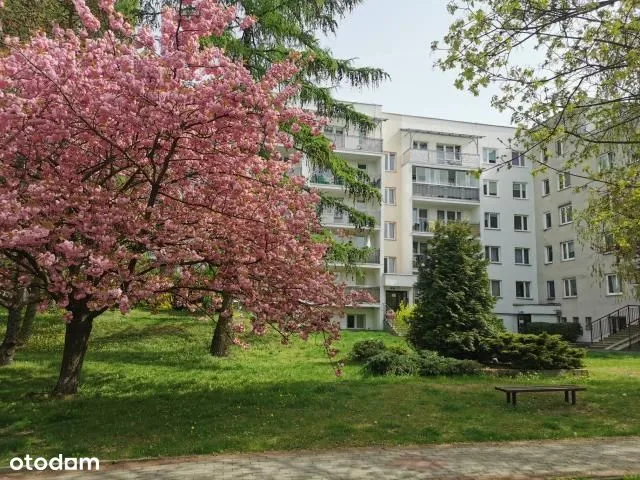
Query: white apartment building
(427, 169)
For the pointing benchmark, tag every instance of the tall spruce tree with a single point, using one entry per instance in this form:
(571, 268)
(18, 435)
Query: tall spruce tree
(282, 28)
(454, 307)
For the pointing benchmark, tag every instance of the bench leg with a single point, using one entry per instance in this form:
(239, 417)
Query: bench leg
(573, 397)
(508, 397)
(566, 396)
(513, 398)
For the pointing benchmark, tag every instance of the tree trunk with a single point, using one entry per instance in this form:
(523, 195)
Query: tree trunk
(10, 342)
(28, 317)
(222, 333)
(76, 340)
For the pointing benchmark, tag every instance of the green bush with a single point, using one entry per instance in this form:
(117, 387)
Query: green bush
(431, 363)
(533, 352)
(569, 331)
(365, 349)
(390, 363)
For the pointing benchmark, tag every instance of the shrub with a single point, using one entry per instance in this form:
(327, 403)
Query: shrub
(403, 315)
(390, 363)
(399, 349)
(569, 331)
(365, 349)
(534, 352)
(431, 363)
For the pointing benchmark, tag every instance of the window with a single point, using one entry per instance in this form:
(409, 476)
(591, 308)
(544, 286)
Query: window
(548, 254)
(587, 323)
(338, 216)
(491, 220)
(564, 180)
(575, 319)
(522, 256)
(496, 288)
(563, 319)
(547, 220)
(334, 130)
(389, 196)
(517, 159)
(608, 243)
(489, 155)
(521, 223)
(390, 162)
(421, 220)
(492, 254)
(389, 230)
(570, 287)
(449, 216)
(566, 214)
(551, 290)
(420, 145)
(523, 289)
(559, 147)
(389, 264)
(490, 188)
(546, 187)
(605, 161)
(544, 156)
(568, 250)
(613, 285)
(357, 320)
(447, 153)
(519, 190)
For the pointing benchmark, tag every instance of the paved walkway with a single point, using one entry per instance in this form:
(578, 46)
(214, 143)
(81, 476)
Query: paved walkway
(608, 457)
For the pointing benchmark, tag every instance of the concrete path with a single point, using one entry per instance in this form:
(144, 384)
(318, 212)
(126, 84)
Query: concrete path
(607, 457)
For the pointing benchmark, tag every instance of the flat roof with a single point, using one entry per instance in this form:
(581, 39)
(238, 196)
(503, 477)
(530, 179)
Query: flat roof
(436, 132)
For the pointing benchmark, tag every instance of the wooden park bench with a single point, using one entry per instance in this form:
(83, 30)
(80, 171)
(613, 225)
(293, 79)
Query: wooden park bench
(512, 391)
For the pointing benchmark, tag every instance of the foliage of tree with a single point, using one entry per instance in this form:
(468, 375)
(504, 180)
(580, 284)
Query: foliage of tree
(131, 167)
(454, 307)
(582, 90)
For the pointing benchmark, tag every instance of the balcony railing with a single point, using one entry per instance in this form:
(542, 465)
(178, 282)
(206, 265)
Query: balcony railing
(373, 291)
(423, 226)
(330, 218)
(437, 157)
(441, 191)
(372, 258)
(318, 178)
(355, 143)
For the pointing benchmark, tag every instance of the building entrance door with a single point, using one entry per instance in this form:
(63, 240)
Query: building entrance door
(393, 299)
(523, 319)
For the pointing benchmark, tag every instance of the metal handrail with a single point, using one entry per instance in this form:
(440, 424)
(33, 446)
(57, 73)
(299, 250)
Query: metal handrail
(617, 321)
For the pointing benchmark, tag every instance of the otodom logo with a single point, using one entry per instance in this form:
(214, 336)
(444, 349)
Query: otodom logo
(58, 463)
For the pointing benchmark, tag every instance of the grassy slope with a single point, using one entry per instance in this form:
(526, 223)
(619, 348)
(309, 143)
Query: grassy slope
(150, 389)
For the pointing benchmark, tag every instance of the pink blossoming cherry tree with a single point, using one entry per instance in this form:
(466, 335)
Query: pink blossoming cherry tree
(132, 166)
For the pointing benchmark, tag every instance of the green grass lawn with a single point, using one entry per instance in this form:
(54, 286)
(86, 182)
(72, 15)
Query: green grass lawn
(150, 389)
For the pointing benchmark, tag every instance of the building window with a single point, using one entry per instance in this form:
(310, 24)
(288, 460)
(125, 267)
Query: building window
(563, 319)
(490, 188)
(496, 288)
(523, 289)
(389, 196)
(566, 214)
(522, 256)
(570, 287)
(568, 250)
(357, 321)
(587, 323)
(548, 254)
(420, 145)
(559, 147)
(447, 153)
(389, 264)
(551, 290)
(389, 230)
(492, 254)
(575, 319)
(564, 180)
(521, 223)
(338, 216)
(613, 285)
(421, 220)
(605, 161)
(491, 220)
(546, 187)
(547, 220)
(544, 156)
(517, 159)
(449, 216)
(490, 155)
(390, 162)
(519, 190)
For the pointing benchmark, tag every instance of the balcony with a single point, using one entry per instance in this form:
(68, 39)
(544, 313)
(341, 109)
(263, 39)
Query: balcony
(373, 291)
(417, 260)
(438, 157)
(372, 258)
(427, 227)
(320, 179)
(355, 143)
(330, 218)
(468, 194)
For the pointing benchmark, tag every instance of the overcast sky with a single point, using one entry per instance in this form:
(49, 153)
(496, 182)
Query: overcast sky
(396, 36)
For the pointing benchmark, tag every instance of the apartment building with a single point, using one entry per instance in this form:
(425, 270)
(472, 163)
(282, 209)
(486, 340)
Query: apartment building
(426, 169)
(565, 265)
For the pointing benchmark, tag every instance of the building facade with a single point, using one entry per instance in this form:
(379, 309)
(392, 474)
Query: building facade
(427, 169)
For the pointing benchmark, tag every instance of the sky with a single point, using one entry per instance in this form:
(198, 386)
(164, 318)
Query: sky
(396, 36)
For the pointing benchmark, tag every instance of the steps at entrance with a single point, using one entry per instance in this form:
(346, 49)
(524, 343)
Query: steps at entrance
(618, 337)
